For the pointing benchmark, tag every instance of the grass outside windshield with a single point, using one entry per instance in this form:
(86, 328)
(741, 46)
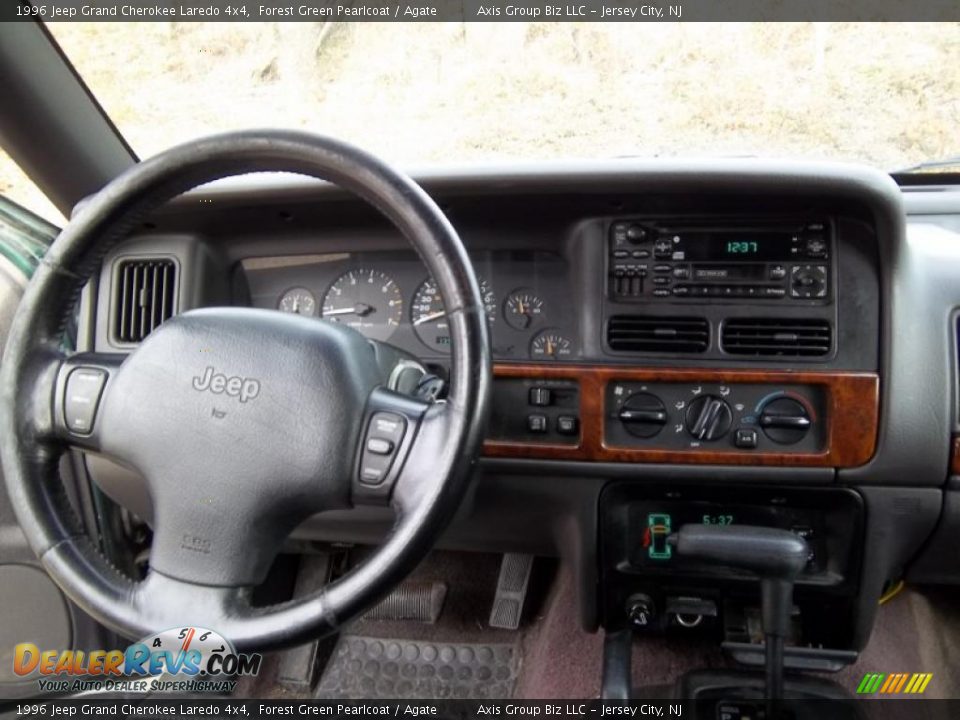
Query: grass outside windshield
(887, 94)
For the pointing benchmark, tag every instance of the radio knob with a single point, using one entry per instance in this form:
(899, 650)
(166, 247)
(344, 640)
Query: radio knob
(636, 234)
(708, 418)
(643, 415)
(785, 421)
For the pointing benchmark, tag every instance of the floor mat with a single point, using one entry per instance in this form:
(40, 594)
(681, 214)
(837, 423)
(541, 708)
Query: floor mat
(378, 668)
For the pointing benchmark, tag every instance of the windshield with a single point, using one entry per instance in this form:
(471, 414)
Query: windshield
(887, 94)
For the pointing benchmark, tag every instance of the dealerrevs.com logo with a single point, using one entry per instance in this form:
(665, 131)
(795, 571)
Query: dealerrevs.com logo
(189, 659)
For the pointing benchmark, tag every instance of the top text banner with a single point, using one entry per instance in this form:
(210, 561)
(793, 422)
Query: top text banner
(471, 11)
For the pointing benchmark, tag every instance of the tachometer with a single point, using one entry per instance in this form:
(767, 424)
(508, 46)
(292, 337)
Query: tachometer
(429, 317)
(367, 300)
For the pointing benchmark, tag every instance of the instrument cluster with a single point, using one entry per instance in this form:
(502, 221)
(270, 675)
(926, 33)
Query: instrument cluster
(390, 297)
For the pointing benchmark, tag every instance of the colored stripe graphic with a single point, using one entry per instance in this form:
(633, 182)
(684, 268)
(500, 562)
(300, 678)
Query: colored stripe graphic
(870, 683)
(894, 683)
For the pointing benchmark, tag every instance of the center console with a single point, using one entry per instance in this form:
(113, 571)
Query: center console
(648, 587)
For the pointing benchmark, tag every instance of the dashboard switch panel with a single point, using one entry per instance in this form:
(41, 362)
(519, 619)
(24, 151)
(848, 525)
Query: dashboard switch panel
(735, 416)
(535, 410)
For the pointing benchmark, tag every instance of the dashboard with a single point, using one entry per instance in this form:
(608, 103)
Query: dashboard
(740, 341)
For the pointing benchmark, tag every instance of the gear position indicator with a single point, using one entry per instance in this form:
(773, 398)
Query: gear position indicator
(655, 536)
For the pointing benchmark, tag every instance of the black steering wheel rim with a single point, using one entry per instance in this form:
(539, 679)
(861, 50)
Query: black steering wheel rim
(445, 447)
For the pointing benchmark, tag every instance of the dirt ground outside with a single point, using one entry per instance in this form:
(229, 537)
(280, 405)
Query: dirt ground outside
(885, 94)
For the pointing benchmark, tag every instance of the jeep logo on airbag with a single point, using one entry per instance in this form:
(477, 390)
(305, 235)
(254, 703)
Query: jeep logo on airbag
(236, 386)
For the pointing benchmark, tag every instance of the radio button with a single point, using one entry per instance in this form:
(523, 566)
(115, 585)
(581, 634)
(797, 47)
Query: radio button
(777, 272)
(816, 247)
(663, 249)
(661, 268)
(661, 292)
(661, 280)
(620, 253)
(770, 291)
(640, 254)
(681, 272)
(681, 290)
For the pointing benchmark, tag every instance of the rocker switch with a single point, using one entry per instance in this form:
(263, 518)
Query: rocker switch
(81, 398)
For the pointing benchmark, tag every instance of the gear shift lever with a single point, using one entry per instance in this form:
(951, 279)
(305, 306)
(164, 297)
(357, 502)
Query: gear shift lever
(777, 556)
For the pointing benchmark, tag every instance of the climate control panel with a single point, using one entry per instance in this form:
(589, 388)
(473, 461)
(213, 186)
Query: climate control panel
(715, 416)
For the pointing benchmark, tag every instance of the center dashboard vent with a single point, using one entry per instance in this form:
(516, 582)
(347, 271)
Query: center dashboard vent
(145, 293)
(776, 336)
(643, 333)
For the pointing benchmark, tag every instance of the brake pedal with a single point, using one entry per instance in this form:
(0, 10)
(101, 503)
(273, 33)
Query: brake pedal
(512, 587)
(420, 602)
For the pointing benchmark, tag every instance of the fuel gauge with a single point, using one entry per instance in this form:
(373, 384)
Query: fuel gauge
(550, 345)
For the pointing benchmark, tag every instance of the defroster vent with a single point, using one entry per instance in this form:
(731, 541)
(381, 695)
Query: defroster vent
(644, 333)
(145, 294)
(775, 336)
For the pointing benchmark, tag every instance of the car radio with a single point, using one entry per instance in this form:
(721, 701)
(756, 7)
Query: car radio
(651, 259)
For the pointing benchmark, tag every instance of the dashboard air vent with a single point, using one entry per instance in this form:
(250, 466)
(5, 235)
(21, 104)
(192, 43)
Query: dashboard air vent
(640, 333)
(776, 336)
(145, 294)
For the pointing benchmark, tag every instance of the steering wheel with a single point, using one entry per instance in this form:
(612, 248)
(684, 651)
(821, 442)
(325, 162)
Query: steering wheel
(203, 409)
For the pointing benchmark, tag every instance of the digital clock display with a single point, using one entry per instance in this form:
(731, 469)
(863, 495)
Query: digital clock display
(712, 519)
(745, 245)
(742, 247)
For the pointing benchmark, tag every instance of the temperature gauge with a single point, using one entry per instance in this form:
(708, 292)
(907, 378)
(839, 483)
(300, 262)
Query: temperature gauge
(551, 345)
(299, 301)
(521, 309)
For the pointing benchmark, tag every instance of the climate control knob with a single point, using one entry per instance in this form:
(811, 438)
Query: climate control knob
(785, 421)
(643, 415)
(708, 418)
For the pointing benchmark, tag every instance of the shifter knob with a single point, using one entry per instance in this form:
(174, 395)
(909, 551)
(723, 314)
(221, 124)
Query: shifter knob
(768, 552)
(777, 556)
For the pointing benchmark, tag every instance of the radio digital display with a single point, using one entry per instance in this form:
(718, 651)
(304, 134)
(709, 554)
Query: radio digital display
(758, 246)
(742, 247)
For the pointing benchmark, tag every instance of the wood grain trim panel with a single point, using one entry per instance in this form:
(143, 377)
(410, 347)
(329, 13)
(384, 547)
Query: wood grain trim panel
(955, 456)
(853, 410)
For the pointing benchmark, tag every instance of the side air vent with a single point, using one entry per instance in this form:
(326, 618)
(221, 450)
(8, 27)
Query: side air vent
(145, 292)
(770, 336)
(639, 333)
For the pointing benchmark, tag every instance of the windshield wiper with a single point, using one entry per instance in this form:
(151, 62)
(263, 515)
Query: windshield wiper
(934, 165)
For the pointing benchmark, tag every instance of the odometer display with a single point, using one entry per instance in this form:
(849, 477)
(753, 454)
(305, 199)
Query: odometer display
(366, 300)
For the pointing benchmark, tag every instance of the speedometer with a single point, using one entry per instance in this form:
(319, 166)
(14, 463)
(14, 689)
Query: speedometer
(429, 317)
(366, 300)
